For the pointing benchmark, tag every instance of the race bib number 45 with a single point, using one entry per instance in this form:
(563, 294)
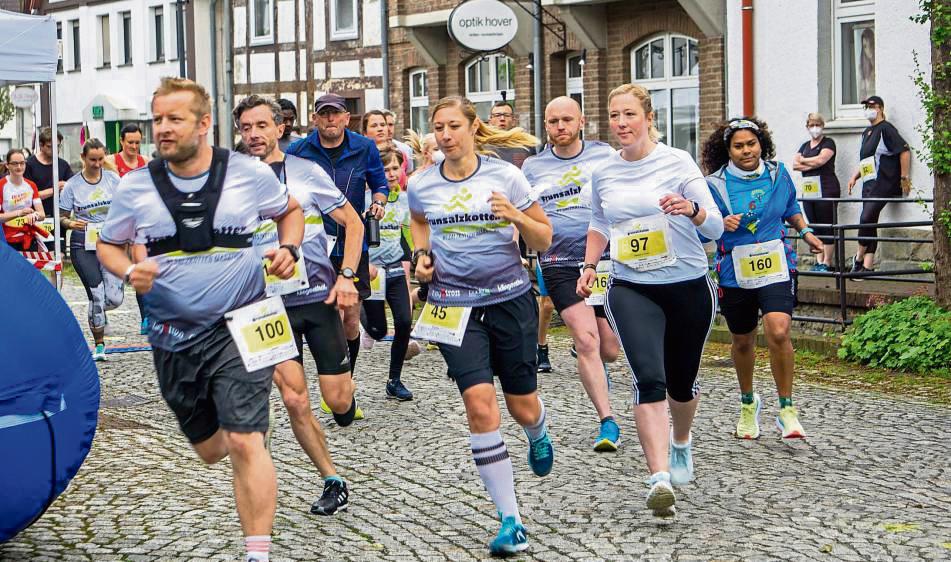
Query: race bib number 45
(758, 265)
(262, 332)
(442, 324)
(642, 243)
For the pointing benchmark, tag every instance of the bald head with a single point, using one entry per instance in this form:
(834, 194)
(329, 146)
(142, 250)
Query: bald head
(563, 123)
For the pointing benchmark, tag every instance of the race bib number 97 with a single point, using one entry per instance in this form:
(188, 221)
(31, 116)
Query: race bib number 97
(642, 243)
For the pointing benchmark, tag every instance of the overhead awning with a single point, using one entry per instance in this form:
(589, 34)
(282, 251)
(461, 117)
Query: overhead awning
(28, 48)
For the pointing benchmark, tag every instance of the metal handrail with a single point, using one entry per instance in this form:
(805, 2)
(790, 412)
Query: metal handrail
(841, 276)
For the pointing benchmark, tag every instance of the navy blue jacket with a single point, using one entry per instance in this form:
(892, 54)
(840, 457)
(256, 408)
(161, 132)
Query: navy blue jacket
(358, 167)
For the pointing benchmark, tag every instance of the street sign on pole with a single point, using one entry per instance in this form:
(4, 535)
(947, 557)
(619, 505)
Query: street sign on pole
(23, 97)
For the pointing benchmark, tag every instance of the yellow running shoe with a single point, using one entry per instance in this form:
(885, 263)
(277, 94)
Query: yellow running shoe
(358, 415)
(788, 422)
(748, 426)
(324, 407)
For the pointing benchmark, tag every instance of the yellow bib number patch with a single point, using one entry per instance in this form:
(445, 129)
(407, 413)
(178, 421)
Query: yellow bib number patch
(442, 324)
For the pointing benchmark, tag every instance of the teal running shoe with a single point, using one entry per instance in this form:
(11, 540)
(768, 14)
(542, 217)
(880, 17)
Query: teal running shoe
(681, 463)
(609, 438)
(510, 540)
(541, 455)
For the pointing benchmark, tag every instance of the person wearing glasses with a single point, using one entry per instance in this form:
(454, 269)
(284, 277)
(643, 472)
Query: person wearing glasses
(755, 264)
(503, 117)
(20, 205)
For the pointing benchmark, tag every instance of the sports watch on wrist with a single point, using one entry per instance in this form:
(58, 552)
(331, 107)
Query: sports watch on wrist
(295, 252)
(347, 273)
(696, 209)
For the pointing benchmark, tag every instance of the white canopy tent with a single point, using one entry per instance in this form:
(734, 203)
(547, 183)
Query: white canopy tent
(29, 53)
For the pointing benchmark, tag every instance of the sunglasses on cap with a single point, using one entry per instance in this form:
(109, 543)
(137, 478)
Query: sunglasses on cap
(737, 125)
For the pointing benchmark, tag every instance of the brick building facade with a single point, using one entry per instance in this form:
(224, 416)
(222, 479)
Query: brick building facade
(680, 44)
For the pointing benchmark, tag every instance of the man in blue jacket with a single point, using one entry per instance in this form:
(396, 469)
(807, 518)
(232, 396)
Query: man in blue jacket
(353, 162)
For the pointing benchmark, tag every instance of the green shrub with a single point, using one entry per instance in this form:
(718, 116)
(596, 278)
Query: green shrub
(910, 335)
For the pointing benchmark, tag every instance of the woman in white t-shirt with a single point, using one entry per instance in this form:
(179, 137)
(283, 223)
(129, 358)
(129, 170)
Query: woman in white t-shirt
(20, 205)
(84, 204)
(650, 201)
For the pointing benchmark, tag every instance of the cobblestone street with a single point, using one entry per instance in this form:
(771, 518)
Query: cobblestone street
(872, 482)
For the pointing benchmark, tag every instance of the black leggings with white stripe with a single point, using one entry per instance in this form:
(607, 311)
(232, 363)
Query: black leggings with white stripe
(662, 329)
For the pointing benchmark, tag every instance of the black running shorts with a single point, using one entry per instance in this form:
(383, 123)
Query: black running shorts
(742, 307)
(500, 340)
(319, 323)
(562, 284)
(207, 387)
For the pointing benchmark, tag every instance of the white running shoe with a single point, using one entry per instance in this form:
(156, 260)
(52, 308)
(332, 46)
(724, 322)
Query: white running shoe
(660, 498)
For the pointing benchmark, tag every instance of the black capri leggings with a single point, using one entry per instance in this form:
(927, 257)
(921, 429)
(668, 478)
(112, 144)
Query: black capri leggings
(662, 329)
(871, 210)
(374, 320)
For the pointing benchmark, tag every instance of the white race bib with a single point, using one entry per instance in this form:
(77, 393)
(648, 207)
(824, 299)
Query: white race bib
(92, 236)
(758, 265)
(262, 333)
(811, 187)
(442, 324)
(378, 286)
(867, 169)
(275, 286)
(600, 287)
(49, 226)
(642, 243)
(331, 242)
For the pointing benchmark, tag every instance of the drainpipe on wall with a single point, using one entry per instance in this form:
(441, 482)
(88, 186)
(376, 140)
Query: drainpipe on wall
(214, 71)
(748, 106)
(385, 55)
(538, 65)
(228, 140)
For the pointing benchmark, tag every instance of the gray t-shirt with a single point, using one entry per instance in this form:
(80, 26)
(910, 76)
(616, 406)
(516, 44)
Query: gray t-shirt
(88, 201)
(316, 193)
(562, 186)
(476, 257)
(390, 250)
(193, 290)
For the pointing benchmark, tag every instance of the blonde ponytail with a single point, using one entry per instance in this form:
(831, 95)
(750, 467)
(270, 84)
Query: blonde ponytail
(486, 135)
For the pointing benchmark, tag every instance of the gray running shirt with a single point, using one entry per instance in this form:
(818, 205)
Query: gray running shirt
(316, 193)
(562, 186)
(193, 291)
(476, 257)
(622, 190)
(89, 201)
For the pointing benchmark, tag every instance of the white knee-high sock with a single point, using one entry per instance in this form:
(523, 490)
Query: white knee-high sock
(495, 468)
(538, 429)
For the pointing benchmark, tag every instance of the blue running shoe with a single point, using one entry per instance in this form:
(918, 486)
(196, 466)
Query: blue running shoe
(681, 463)
(541, 455)
(609, 438)
(510, 540)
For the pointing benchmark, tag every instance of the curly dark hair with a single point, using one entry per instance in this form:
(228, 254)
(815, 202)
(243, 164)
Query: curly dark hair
(715, 153)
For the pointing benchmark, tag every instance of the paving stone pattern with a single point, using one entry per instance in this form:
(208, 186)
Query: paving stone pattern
(872, 482)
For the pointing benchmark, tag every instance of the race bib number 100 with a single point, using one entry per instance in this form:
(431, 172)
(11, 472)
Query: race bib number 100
(262, 332)
(600, 287)
(442, 324)
(642, 243)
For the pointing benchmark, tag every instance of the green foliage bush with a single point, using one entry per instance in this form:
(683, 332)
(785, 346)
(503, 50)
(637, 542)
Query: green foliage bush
(911, 335)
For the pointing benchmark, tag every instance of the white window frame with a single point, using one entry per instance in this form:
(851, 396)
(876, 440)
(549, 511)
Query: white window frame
(494, 93)
(416, 101)
(172, 25)
(252, 23)
(74, 64)
(843, 13)
(344, 34)
(574, 85)
(121, 35)
(668, 82)
(104, 52)
(154, 34)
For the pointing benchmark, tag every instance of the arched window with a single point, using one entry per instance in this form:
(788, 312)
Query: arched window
(668, 65)
(574, 76)
(486, 78)
(419, 101)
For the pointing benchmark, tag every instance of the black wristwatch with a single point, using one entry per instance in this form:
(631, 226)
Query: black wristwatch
(696, 209)
(418, 253)
(348, 273)
(295, 252)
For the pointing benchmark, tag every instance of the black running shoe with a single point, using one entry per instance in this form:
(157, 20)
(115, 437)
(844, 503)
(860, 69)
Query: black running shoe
(858, 267)
(335, 498)
(544, 365)
(396, 389)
